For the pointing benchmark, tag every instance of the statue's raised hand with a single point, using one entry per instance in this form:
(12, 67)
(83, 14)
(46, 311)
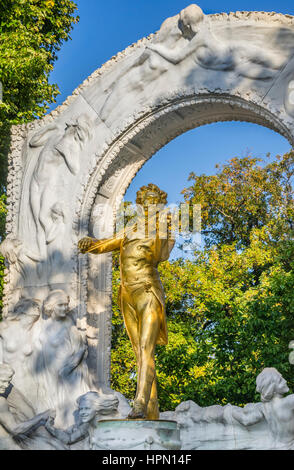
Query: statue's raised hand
(85, 243)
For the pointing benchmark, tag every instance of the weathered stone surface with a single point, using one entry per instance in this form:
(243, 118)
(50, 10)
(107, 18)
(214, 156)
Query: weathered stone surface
(135, 435)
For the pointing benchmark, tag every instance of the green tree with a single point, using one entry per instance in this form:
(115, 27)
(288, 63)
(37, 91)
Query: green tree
(31, 34)
(244, 195)
(230, 309)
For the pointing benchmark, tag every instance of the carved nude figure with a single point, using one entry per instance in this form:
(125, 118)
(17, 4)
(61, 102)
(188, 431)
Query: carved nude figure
(91, 408)
(277, 410)
(181, 36)
(60, 152)
(141, 296)
(60, 361)
(17, 337)
(209, 52)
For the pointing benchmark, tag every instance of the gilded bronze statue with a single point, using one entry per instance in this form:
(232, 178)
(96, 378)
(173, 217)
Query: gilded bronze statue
(141, 293)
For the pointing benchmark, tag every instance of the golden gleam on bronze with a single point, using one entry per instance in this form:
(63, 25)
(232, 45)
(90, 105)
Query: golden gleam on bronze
(141, 296)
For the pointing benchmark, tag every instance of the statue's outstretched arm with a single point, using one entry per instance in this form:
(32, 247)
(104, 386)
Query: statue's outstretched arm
(31, 424)
(171, 55)
(250, 414)
(92, 245)
(9, 423)
(176, 55)
(7, 419)
(69, 436)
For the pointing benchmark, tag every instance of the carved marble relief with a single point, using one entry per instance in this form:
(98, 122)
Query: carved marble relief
(195, 70)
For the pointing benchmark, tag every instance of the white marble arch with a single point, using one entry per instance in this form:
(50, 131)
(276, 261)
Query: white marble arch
(147, 95)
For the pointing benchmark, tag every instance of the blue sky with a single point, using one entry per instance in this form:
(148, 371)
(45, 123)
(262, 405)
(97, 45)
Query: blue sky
(107, 27)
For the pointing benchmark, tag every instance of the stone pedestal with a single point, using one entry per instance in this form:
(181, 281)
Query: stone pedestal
(136, 435)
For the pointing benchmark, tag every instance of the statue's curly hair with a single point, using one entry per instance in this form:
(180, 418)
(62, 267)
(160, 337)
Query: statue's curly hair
(100, 402)
(51, 300)
(269, 382)
(146, 189)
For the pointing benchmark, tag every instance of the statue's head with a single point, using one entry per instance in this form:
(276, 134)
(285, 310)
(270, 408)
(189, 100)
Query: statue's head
(6, 374)
(92, 404)
(190, 18)
(10, 248)
(56, 304)
(151, 194)
(26, 308)
(80, 128)
(270, 383)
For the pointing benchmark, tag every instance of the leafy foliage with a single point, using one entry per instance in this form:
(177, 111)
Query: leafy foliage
(243, 196)
(230, 309)
(32, 32)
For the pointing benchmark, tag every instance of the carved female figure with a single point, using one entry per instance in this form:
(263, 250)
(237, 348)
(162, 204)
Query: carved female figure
(181, 36)
(61, 152)
(60, 364)
(277, 410)
(17, 336)
(92, 408)
(209, 52)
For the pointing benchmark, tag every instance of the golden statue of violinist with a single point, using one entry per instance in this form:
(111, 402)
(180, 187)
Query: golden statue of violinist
(141, 295)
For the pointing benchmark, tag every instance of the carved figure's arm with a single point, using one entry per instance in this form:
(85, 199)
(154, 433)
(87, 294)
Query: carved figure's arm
(250, 414)
(142, 58)
(210, 52)
(172, 55)
(69, 436)
(178, 54)
(31, 424)
(41, 136)
(7, 419)
(19, 405)
(71, 160)
(9, 423)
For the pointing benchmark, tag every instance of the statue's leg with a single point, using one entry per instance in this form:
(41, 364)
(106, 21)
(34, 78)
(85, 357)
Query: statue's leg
(132, 326)
(148, 309)
(152, 408)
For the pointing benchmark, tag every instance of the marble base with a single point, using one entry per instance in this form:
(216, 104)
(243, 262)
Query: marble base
(136, 435)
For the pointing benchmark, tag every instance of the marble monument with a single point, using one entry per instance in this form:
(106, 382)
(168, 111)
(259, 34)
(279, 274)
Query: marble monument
(68, 173)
